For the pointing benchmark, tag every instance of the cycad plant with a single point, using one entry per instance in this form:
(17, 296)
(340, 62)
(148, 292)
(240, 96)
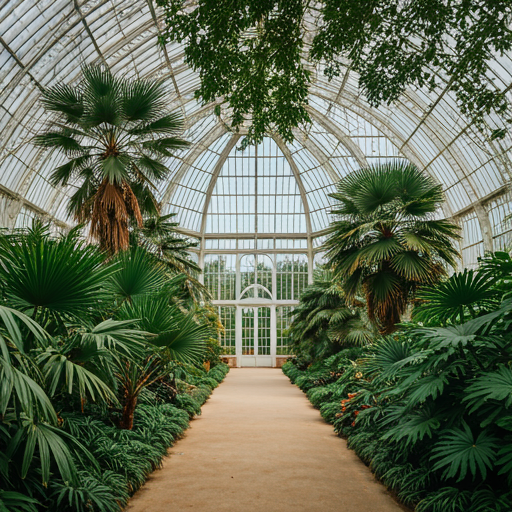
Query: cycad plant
(385, 242)
(115, 134)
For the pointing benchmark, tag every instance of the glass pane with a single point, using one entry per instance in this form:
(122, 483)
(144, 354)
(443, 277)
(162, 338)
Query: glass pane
(291, 276)
(264, 331)
(220, 275)
(264, 275)
(227, 339)
(248, 331)
(247, 271)
(283, 321)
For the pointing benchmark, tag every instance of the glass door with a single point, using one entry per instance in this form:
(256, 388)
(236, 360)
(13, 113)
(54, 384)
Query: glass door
(263, 331)
(256, 336)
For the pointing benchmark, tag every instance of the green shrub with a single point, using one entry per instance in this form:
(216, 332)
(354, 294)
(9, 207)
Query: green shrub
(189, 404)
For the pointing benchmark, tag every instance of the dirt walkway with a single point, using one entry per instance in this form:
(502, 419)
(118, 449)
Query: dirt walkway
(261, 447)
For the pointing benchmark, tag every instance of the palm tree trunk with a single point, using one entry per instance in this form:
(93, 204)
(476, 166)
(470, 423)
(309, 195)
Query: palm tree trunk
(130, 403)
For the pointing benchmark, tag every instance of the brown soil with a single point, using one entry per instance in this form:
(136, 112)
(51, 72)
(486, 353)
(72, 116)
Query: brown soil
(261, 447)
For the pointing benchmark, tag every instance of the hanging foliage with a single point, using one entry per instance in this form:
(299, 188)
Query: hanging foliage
(251, 55)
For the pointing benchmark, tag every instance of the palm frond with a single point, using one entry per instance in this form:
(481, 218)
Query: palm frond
(459, 452)
(61, 278)
(140, 274)
(64, 100)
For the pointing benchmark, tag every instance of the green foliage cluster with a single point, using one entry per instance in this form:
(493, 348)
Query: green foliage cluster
(323, 323)
(384, 242)
(250, 54)
(101, 369)
(429, 407)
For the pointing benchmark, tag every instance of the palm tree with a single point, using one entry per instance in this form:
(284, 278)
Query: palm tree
(160, 237)
(172, 335)
(115, 133)
(159, 234)
(385, 241)
(324, 323)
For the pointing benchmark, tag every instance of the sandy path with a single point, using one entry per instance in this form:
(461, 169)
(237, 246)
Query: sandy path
(260, 446)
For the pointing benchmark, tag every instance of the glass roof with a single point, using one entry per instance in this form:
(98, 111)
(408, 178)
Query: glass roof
(44, 42)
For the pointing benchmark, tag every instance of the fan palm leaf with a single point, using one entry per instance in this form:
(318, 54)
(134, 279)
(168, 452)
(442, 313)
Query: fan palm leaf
(118, 132)
(63, 373)
(464, 294)
(180, 335)
(116, 337)
(18, 389)
(140, 273)
(53, 279)
(459, 452)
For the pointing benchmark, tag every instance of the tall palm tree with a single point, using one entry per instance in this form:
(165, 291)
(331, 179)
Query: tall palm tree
(385, 241)
(115, 133)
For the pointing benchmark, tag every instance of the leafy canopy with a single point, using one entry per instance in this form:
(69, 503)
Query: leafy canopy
(251, 56)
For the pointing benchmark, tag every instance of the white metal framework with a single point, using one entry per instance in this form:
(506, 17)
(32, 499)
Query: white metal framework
(254, 291)
(270, 198)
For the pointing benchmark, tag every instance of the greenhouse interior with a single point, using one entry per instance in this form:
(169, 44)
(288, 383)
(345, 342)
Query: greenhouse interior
(256, 254)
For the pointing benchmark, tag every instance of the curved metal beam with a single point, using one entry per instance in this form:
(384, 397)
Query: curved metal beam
(216, 171)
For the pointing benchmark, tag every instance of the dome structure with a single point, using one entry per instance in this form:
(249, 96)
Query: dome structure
(44, 43)
(268, 199)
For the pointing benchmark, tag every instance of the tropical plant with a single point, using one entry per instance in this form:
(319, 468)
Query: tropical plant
(429, 410)
(498, 266)
(324, 323)
(159, 234)
(116, 134)
(384, 242)
(172, 335)
(465, 294)
(53, 279)
(61, 386)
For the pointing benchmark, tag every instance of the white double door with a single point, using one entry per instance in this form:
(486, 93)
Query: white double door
(256, 341)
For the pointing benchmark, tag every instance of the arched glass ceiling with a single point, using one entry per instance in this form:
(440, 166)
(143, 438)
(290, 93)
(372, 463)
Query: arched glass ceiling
(256, 191)
(44, 42)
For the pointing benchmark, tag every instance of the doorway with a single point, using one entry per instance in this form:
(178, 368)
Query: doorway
(256, 336)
